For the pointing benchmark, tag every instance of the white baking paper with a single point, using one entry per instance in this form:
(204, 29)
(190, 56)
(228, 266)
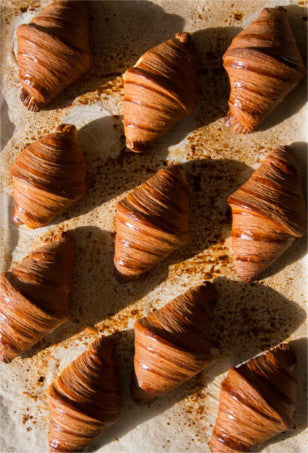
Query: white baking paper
(249, 318)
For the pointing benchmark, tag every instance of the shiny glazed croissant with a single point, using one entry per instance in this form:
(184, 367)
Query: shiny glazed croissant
(53, 51)
(34, 296)
(257, 402)
(152, 222)
(158, 91)
(269, 213)
(48, 177)
(263, 65)
(173, 344)
(84, 399)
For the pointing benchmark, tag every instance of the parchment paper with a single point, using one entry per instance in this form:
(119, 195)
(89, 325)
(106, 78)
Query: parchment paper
(249, 318)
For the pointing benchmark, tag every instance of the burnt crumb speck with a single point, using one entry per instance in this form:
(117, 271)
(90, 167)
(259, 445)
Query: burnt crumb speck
(238, 16)
(25, 418)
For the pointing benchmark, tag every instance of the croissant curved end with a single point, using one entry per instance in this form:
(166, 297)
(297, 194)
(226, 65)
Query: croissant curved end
(140, 396)
(28, 101)
(85, 398)
(57, 39)
(263, 65)
(138, 147)
(66, 129)
(183, 37)
(268, 214)
(159, 90)
(172, 344)
(49, 175)
(257, 402)
(34, 296)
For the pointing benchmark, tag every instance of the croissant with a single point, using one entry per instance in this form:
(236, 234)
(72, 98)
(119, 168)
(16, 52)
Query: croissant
(173, 344)
(263, 66)
(152, 222)
(53, 51)
(257, 401)
(84, 399)
(269, 213)
(34, 296)
(48, 177)
(158, 91)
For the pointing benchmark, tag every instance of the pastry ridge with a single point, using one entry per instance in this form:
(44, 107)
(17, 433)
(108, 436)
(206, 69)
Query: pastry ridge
(34, 296)
(257, 402)
(263, 65)
(172, 344)
(158, 91)
(268, 214)
(152, 222)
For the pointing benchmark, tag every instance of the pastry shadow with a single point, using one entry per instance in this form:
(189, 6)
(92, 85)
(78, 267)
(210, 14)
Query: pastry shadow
(133, 415)
(112, 169)
(97, 294)
(210, 45)
(6, 124)
(213, 91)
(291, 104)
(295, 100)
(118, 37)
(300, 416)
(211, 181)
(250, 318)
(295, 252)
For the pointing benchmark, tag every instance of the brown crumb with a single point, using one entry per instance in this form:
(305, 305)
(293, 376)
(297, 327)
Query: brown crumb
(238, 16)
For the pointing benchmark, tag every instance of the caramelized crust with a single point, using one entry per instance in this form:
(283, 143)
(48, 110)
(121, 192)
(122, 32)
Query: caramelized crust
(34, 296)
(263, 65)
(158, 91)
(53, 51)
(48, 177)
(84, 399)
(173, 344)
(257, 402)
(152, 222)
(269, 213)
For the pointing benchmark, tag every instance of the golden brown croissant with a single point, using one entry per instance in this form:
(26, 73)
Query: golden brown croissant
(173, 344)
(269, 213)
(152, 222)
(84, 399)
(48, 177)
(53, 51)
(257, 402)
(158, 91)
(263, 65)
(34, 296)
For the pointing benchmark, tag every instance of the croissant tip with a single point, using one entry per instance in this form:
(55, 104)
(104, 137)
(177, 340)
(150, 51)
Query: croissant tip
(29, 102)
(233, 124)
(244, 276)
(140, 397)
(66, 128)
(125, 278)
(16, 219)
(138, 147)
(276, 8)
(182, 36)
(5, 358)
